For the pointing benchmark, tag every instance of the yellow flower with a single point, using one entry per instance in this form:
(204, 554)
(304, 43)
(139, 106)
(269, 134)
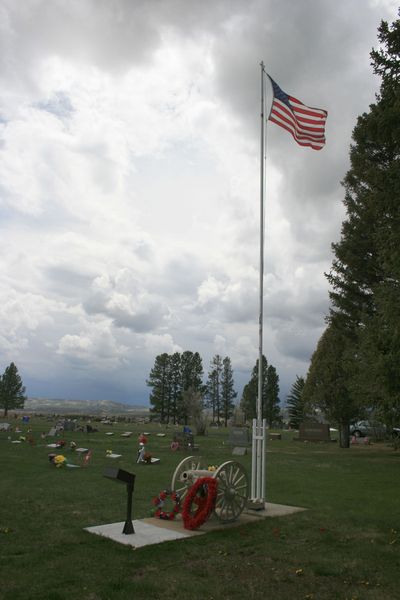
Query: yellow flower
(59, 460)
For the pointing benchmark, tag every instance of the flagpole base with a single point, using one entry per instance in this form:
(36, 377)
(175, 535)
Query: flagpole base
(255, 504)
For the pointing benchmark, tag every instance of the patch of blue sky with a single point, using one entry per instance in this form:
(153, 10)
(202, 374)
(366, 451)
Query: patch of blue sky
(59, 105)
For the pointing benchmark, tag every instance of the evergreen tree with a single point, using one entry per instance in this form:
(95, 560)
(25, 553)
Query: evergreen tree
(271, 410)
(160, 382)
(295, 403)
(365, 274)
(214, 388)
(175, 386)
(248, 400)
(12, 390)
(270, 394)
(228, 390)
(191, 378)
(327, 383)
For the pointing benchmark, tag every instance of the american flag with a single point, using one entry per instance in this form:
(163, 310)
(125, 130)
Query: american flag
(307, 125)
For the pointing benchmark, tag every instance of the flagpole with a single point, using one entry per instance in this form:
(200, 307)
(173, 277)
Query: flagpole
(261, 288)
(257, 500)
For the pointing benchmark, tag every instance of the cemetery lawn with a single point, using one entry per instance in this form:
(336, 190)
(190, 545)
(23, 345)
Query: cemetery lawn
(345, 546)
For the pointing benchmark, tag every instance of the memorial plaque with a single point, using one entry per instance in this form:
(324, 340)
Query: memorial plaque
(239, 437)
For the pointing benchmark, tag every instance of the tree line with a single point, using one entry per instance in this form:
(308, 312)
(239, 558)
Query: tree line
(178, 392)
(355, 369)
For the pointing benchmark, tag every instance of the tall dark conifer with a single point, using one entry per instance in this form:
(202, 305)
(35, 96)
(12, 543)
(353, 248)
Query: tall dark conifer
(159, 382)
(214, 388)
(270, 394)
(365, 274)
(228, 390)
(12, 390)
(295, 403)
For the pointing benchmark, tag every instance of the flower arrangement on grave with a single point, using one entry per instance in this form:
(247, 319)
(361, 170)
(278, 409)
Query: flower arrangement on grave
(159, 503)
(142, 439)
(72, 445)
(60, 443)
(212, 468)
(201, 495)
(108, 452)
(59, 460)
(22, 438)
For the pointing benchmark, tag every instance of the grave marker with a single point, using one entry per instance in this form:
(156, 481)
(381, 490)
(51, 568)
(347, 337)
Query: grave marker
(311, 431)
(240, 440)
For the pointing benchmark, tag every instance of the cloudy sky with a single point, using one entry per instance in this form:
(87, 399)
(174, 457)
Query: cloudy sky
(129, 183)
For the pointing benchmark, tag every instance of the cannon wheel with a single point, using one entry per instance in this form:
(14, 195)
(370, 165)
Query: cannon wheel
(232, 491)
(178, 484)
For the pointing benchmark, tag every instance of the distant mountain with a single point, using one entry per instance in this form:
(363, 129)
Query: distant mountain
(86, 407)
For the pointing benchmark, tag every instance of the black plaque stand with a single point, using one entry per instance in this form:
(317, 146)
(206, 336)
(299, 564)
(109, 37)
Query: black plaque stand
(128, 527)
(129, 480)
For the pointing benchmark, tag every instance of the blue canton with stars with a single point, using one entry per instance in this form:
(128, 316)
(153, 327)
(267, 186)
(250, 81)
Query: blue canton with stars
(280, 94)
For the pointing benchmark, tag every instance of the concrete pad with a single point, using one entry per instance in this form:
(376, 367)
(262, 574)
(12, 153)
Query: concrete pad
(145, 534)
(275, 510)
(155, 531)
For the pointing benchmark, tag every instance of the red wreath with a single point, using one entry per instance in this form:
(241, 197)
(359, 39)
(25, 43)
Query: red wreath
(203, 494)
(160, 501)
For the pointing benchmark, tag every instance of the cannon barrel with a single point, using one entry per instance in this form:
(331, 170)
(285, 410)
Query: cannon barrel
(194, 474)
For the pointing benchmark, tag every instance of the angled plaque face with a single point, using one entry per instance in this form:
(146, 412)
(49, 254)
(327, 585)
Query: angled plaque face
(119, 475)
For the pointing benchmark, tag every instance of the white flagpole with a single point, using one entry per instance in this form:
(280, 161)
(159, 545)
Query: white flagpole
(257, 500)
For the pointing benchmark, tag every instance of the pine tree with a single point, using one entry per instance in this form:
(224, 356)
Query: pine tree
(228, 390)
(270, 394)
(295, 403)
(175, 386)
(214, 388)
(191, 378)
(159, 381)
(327, 384)
(271, 410)
(12, 390)
(365, 274)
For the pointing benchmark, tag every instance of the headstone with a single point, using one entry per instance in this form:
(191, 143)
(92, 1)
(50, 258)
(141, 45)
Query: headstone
(52, 432)
(5, 426)
(239, 451)
(239, 436)
(69, 425)
(185, 441)
(311, 431)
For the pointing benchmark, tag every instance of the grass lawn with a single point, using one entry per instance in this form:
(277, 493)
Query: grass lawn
(345, 546)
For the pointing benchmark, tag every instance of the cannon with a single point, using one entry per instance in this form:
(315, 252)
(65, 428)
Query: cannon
(232, 491)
